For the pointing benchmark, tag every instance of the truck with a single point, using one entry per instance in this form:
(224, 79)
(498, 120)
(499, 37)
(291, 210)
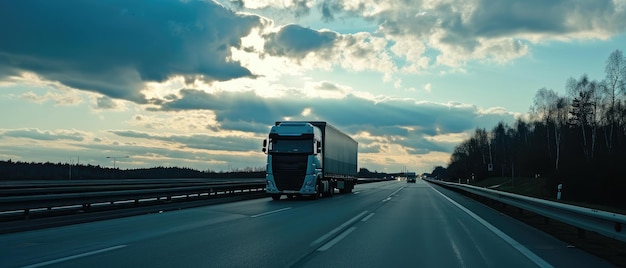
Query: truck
(309, 158)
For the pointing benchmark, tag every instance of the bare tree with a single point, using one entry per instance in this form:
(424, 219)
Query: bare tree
(551, 109)
(584, 111)
(613, 86)
(560, 120)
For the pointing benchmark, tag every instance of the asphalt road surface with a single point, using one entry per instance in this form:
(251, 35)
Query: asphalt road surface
(386, 224)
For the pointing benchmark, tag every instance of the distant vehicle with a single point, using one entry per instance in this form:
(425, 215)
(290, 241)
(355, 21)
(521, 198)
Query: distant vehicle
(309, 158)
(411, 179)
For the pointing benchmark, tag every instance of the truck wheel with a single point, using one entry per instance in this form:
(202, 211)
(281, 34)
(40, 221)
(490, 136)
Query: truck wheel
(350, 187)
(276, 197)
(318, 191)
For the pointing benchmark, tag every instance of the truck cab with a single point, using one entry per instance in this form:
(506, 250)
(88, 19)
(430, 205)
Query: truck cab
(295, 160)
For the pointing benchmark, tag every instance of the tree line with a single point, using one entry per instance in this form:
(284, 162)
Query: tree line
(10, 170)
(577, 139)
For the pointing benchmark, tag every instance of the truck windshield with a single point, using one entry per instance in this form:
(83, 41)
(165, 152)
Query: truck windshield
(300, 146)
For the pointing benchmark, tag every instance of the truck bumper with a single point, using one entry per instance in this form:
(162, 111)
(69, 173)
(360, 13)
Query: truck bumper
(307, 188)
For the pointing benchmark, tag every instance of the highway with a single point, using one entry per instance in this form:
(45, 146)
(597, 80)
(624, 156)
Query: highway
(385, 224)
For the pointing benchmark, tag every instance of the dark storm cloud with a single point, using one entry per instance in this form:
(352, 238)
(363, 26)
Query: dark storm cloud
(113, 47)
(297, 41)
(405, 122)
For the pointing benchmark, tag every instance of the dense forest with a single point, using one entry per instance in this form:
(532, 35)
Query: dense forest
(577, 139)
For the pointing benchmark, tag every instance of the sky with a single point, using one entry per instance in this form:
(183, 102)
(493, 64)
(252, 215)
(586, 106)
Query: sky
(198, 84)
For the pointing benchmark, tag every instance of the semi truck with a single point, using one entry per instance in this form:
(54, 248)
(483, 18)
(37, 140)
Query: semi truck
(309, 158)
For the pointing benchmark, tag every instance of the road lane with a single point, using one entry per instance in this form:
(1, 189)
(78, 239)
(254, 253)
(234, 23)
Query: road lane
(418, 227)
(380, 224)
(556, 252)
(228, 234)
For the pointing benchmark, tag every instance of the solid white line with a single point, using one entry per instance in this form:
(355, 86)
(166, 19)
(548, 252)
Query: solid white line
(525, 251)
(336, 239)
(326, 236)
(368, 217)
(269, 212)
(74, 257)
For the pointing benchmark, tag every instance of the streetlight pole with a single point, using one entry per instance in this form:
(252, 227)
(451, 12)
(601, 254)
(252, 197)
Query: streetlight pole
(115, 159)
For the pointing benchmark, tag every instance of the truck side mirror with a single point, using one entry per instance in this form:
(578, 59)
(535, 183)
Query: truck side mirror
(319, 147)
(264, 146)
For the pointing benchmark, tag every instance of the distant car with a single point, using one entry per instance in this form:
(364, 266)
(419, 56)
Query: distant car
(411, 179)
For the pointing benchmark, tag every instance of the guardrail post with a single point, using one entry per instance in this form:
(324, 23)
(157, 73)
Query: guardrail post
(26, 214)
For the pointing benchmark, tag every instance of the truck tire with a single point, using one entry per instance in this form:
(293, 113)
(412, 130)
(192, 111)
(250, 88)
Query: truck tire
(327, 193)
(318, 191)
(276, 197)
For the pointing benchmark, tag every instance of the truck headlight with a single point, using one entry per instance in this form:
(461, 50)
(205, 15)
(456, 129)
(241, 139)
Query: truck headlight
(270, 184)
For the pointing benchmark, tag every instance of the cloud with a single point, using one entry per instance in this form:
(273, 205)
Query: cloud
(428, 87)
(324, 49)
(401, 121)
(36, 134)
(198, 141)
(325, 89)
(452, 32)
(296, 41)
(105, 102)
(113, 48)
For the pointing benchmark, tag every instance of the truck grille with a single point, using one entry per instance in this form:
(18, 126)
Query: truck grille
(289, 171)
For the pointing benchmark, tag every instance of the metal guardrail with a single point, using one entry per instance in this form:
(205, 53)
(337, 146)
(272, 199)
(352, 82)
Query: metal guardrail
(64, 187)
(605, 223)
(30, 197)
(43, 200)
